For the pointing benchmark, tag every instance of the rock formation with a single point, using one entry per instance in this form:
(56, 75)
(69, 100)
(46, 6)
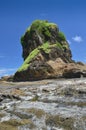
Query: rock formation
(46, 53)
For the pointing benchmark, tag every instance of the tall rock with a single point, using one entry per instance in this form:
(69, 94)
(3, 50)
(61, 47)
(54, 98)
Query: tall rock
(45, 51)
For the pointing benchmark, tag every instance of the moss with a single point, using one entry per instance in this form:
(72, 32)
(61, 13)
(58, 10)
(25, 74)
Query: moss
(66, 123)
(23, 67)
(20, 115)
(28, 60)
(7, 127)
(62, 46)
(39, 24)
(47, 32)
(65, 46)
(45, 47)
(42, 26)
(61, 36)
(79, 104)
(14, 124)
(2, 115)
(23, 41)
(38, 112)
(24, 37)
(31, 56)
(34, 99)
(28, 29)
(59, 45)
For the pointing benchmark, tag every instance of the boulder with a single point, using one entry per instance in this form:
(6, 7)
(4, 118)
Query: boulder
(74, 70)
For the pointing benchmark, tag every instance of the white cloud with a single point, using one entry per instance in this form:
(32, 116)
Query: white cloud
(77, 39)
(7, 71)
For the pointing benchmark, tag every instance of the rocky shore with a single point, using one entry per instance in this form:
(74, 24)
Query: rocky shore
(43, 105)
(48, 91)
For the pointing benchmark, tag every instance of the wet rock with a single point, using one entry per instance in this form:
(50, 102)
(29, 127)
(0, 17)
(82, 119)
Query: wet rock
(14, 124)
(1, 99)
(54, 105)
(66, 123)
(9, 96)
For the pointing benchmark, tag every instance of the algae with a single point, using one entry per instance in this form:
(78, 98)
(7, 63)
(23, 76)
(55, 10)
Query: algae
(66, 123)
(38, 112)
(14, 124)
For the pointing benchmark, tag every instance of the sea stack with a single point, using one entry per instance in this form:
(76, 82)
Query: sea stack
(46, 53)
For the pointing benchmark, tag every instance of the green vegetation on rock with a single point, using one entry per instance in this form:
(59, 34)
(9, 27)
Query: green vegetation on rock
(61, 36)
(14, 124)
(22, 41)
(41, 24)
(59, 45)
(37, 112)
(28, 60)
(46, 47)
(41, 27)
(66, 123)
(31, 56)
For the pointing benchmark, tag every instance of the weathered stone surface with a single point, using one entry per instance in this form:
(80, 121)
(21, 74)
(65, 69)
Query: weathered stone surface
(43, 105)
(74, 70)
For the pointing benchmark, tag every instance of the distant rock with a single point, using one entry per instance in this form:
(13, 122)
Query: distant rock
(74, 70)
(46, 52)
(7, 78)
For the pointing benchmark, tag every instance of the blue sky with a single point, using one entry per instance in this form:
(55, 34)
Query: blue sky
(17, 15)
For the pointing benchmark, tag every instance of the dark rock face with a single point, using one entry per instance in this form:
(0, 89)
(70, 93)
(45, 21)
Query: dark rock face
(37, 34)
(41, 44)
(37, 71)
(72, 73)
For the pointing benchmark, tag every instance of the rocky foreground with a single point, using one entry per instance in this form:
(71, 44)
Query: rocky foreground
(56, 104)
(43, 105)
